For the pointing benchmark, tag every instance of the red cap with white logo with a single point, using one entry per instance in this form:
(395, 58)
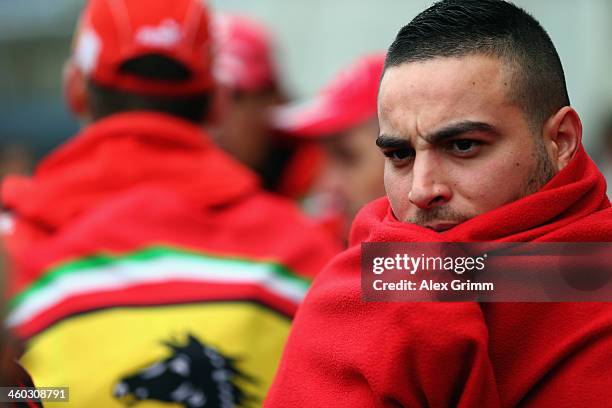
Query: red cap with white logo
(113, 32)
(347, 101)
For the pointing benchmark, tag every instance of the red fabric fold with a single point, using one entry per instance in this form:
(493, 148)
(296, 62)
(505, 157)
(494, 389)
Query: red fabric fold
(343, 352)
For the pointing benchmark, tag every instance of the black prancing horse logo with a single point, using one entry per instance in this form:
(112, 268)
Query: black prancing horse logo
(195, 375)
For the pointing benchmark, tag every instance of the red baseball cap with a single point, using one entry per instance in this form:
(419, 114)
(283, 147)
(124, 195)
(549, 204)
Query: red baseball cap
(347, 101)
(243, 53)
(112, 32)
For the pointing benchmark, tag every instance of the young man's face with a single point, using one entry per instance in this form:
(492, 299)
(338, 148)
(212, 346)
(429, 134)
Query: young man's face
(455, 146)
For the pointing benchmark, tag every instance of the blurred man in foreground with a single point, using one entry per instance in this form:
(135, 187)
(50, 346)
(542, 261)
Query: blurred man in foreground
(149, 265)
(342, 117)
(480, 145)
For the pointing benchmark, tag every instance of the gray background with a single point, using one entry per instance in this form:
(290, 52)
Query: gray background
(314, 38)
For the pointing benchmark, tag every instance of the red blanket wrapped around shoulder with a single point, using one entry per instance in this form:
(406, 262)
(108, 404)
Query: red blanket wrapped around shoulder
(344, 352)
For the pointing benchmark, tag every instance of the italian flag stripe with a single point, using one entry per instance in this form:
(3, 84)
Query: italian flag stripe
(150, 265)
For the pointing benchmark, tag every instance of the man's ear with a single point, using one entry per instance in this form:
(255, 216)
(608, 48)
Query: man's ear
(75, 90)
(563, 135)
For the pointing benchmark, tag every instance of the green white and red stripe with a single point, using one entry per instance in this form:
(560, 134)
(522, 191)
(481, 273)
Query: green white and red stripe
(153, 265)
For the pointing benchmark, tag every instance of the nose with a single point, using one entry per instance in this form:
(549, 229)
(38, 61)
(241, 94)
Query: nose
(428, 187)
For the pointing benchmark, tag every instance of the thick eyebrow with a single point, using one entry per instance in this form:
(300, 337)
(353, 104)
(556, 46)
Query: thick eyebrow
(448, 132)
(390, 142)
(459, 128)
(439, 136)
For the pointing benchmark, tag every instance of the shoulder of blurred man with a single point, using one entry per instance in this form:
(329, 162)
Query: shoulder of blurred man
(155, 218)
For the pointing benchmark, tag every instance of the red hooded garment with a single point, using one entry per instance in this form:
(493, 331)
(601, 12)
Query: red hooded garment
(343, 352)
(138, 239)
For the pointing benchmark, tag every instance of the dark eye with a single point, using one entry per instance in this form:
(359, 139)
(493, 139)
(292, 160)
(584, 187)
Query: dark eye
(399, 155)
(464, 146)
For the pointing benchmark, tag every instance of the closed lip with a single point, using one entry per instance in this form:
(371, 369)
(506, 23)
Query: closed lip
(441, 226)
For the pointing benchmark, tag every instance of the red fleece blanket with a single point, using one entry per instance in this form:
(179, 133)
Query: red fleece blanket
(343, 352)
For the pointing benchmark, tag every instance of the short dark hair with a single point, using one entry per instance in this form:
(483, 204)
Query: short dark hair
(456, 28)
(105, 101)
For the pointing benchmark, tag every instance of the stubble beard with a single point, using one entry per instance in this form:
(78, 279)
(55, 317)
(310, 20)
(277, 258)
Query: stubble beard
(544, 170)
